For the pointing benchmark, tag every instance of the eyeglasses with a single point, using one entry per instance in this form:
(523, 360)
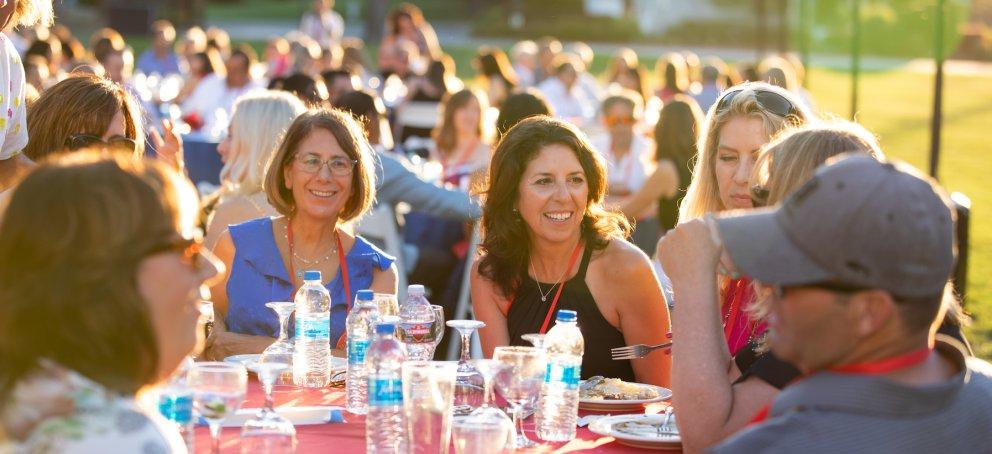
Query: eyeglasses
(338, 165)
(79, 141)
(612, 121)
(189, 249)
(834, 287)
(768, 100)
(759, 195)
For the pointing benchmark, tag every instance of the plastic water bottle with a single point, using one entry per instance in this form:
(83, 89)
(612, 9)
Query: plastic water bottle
(558, 406)
(313, 332)
(416, 324)
(175, 402)
(361, 325)
(384, 425)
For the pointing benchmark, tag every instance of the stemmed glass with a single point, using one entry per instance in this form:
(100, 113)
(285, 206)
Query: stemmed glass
(519, 382)
(281, 351)
(487, 429)
(218, 390)
(468, 381)
(438, 327)
(268, 432)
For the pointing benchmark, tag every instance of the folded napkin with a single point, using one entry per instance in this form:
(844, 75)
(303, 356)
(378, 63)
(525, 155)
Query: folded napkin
(299, 416)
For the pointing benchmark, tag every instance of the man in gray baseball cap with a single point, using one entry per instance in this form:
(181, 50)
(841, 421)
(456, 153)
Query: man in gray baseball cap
(857, 262)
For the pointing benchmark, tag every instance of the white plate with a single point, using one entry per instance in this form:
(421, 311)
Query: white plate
(619, 427)
(299, 416)
(336, 363)
(625, 405)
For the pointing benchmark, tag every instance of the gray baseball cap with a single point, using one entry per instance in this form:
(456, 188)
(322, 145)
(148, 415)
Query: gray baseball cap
(858, 222)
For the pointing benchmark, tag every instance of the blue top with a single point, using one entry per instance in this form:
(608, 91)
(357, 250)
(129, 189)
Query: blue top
(258, 276)
(149, 63)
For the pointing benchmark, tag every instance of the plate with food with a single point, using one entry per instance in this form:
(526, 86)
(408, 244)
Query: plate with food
(613, 394)
(641, 431)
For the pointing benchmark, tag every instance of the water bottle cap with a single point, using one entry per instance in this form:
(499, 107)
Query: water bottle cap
(385, 328)
(311, 275)
(566, 315)
(365, 295)
(415, 290)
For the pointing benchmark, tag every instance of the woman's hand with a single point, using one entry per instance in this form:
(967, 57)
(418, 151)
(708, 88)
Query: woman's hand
(168, 148)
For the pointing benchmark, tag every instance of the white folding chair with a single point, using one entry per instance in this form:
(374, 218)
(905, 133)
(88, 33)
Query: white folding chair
(418, 114)
(463, 310)
(380, 224)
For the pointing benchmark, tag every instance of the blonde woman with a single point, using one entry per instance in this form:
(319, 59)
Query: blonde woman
(257, 126)
(712, 403)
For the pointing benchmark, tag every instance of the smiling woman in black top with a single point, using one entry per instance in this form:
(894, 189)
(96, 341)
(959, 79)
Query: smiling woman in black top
(550, 245)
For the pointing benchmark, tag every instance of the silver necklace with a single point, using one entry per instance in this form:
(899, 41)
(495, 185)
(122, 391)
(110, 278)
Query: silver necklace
(334, 249)
(544, 296)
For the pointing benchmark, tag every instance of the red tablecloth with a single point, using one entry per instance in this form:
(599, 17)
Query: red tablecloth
(350, 436)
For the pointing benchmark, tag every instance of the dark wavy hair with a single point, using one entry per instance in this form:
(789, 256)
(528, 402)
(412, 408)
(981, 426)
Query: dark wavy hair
(506, 245)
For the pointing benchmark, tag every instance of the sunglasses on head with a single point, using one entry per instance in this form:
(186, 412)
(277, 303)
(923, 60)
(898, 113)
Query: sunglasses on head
(80, 141)
(189, 249)
(768, 100)
(615, 120)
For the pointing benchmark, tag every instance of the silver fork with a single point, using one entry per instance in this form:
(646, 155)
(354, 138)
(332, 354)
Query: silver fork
(637, 351)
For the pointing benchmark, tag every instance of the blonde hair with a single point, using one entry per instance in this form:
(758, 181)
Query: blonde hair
(790, 159)
(703, 195)
(258, 123)
(32, 13)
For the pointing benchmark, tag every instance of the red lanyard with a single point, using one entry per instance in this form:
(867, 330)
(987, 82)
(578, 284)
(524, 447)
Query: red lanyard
(343, 264)
(879, 367)
(561, 285)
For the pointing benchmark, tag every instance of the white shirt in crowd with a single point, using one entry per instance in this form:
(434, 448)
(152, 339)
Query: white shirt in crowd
(633, 168)
(13, 116)
(213, 95)
(326, 29)
(571, 105)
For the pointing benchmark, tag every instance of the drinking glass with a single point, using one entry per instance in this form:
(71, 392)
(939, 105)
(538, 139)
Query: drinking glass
(281, 351)
(218, 390)
(428, 394)
(519, 382)
(388, 304)
(268, 432)
(438, 327)
(469, 381)
(487, 429)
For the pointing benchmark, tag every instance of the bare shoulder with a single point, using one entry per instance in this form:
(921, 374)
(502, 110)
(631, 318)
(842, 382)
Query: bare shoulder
(620, 256)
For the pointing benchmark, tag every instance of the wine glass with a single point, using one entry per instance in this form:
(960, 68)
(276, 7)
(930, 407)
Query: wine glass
(519, 382)
(468, 381)
(388, 304)
(438, 327)
(218, 390)
(268, 432)
(535, 339)
(281, 351)
(487, 429)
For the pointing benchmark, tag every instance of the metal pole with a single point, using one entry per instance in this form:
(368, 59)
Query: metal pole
(938, 89)
(803, 34)
(855, 54)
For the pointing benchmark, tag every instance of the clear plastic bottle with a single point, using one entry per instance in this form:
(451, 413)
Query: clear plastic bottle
(416, 323)
(361, 325)
(175, 402)
(384, 425)
(312, 348)
(558, 406)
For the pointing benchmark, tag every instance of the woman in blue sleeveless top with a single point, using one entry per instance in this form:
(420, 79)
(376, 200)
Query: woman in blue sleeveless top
(321, 177)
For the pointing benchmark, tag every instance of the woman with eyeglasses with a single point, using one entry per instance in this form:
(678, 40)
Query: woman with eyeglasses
(100, 278)
(718, 384)
(321, 178)
(257, 124)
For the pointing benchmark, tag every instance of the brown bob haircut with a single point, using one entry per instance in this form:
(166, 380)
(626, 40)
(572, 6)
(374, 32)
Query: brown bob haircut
(81, 104)
(71, 242)
(506, 237)
(350, 137)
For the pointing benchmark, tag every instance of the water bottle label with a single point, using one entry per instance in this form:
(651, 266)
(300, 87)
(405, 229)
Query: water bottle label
(567, 375)
(416, 333)
(313, 328)
(385, 392)
(178, 409)
(356, 351)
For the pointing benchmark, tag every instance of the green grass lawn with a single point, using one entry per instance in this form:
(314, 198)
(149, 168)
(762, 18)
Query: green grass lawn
(896, 105)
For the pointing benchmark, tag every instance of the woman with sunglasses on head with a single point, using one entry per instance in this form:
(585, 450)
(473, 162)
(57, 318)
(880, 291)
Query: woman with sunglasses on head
(711, 325)
(96, 311)
(321, 178)
(549, 244)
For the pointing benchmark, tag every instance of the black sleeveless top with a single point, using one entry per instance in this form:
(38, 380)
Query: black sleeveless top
(668, 209)
(528, 311)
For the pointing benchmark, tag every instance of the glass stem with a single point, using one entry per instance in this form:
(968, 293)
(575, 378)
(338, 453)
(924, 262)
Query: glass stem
(466, 341)
(487, 388)
(214, 437)
(518, 422)
(283, 327)
(269, 402)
